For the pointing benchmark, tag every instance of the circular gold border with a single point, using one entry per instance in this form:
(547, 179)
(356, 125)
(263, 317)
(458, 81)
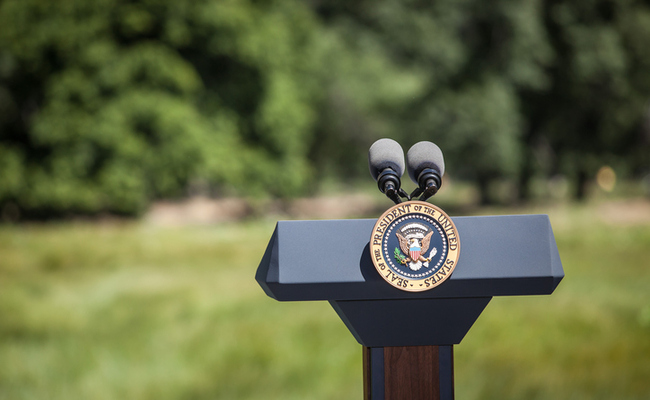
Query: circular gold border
(414, 208)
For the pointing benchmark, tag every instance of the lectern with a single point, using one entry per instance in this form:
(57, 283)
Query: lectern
(331, 260)
(410, 284)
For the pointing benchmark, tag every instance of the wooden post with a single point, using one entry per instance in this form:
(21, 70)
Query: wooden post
(408, 372)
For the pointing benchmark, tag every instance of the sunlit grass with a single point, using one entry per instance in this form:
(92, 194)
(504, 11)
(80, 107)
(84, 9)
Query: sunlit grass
(589, 340)
(128, 310)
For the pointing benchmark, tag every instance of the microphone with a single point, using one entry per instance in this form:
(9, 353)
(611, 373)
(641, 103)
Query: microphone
(386, 162)
(426, 166)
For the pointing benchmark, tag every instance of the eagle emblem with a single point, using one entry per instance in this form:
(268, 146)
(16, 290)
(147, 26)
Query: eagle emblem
(415, 245)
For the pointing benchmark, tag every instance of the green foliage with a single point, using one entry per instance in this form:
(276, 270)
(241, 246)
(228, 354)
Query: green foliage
(507, 89)
(481, 128)
(111, 104)
(594, 110)
(467, 62)
(399, 256)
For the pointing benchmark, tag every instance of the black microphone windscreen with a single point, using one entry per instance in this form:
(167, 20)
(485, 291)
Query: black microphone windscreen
(385, 153)
(424, 155)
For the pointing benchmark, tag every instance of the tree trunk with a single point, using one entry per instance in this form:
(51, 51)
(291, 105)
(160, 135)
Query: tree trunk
(483, 183)
(581, 185)
(525, 176)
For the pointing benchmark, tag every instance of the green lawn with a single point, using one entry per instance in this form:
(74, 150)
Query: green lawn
(132, 311)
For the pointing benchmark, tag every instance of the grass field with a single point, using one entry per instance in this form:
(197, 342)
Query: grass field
(133, 311)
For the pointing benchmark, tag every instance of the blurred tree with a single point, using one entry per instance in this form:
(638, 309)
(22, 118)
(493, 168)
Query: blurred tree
(594, 109)
(106, 105)
(463, 64)
(364, 89)
(507, 88)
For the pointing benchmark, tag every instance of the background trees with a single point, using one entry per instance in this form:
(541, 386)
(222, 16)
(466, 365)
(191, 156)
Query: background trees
(108, 105)
(593, 111)
(514, 89)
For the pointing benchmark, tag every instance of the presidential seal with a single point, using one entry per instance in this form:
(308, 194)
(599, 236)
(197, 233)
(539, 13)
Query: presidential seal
(414, 246)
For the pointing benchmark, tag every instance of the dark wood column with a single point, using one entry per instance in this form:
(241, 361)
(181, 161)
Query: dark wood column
(408, 373)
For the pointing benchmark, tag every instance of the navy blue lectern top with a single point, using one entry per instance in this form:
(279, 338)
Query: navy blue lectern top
(330, 260)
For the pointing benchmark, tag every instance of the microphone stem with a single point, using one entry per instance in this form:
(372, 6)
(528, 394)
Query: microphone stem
(391, 193)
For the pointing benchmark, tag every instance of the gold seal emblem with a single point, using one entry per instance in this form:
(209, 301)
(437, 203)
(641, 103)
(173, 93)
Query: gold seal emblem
(415, 246)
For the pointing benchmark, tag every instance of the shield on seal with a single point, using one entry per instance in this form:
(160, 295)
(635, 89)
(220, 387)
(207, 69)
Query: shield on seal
(414, 251)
